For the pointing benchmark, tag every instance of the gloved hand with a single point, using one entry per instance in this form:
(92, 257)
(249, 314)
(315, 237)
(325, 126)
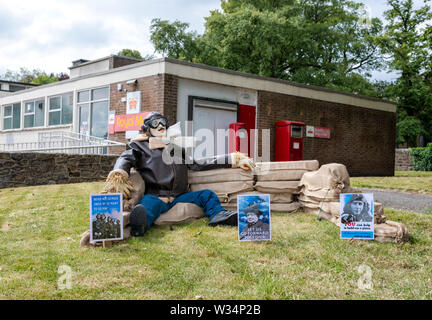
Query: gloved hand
(117, 182)
(243, 161)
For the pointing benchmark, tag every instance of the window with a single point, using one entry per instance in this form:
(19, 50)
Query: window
(93, 112)
(34, 114)
(60, 109)
(12, 116)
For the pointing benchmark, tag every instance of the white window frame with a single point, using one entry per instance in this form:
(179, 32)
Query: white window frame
(60, 109)
(11, 116)
(90, 103)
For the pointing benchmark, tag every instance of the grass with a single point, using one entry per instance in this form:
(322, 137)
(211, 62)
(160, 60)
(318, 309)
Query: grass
(305, 260)
(414, 181)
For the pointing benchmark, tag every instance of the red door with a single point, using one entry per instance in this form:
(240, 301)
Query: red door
(247, 115)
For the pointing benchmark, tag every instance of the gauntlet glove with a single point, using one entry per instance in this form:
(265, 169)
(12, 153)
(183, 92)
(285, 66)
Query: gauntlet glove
(243, 161)
(117, 182)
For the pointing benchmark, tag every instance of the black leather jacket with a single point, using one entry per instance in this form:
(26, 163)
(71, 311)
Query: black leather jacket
(163, 179)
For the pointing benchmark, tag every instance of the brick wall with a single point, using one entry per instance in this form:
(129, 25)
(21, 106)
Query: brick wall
(29, 169)
(361, 139)
(403, 160)
(158, 93)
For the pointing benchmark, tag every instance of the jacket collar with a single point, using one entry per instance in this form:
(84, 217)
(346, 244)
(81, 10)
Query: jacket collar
(154, 143)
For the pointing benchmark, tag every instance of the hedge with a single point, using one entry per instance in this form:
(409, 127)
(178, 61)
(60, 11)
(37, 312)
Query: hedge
(422, 158)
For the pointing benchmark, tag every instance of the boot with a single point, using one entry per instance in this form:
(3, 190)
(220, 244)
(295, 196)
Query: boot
(138, 221)
(224, 218)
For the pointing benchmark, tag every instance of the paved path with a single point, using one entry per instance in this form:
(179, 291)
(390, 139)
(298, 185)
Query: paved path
(415, 202)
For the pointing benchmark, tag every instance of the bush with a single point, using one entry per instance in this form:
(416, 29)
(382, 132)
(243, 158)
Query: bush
(422, 158)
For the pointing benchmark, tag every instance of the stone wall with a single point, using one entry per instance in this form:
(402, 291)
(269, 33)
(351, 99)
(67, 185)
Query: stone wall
(29, 169)
(403, 160)
(362, 139)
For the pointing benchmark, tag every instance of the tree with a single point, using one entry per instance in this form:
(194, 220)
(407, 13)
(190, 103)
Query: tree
(318, 42)
(134, 54)
(406, 43)
(172, 39)
(35, 76)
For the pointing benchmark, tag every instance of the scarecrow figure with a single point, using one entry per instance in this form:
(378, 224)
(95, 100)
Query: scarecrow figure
(164, 167)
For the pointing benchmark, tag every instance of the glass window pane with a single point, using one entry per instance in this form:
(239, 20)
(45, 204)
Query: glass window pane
(29, 121)
(55, 103)
(67, 107)
(7, 111)
(29, 107)
(67, 99)
(84, 96)
(54, 118)
(39, 113)
(99, 94)
(7, 124)
(84, 119)
(16, 123)
(99, 126)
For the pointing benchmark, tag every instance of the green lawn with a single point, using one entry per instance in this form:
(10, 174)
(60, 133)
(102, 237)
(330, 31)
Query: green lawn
(305, 260)
(417, 181)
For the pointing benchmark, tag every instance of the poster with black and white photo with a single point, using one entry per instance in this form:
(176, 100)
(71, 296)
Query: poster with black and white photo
(254, 217)
(356, 216)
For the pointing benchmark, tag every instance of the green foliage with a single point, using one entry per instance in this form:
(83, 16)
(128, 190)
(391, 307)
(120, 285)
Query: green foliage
(422, 158)
(408, 129)
(35, 76)
(308, 41)
(407, 43)
(172, 39)
(134, 54)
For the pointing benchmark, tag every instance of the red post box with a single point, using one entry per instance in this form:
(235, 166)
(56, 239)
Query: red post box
(289, 140)
(238, 137)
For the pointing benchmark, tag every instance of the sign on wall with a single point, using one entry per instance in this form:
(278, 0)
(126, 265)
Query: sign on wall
(317, 132)
(133, 102)
(133, 106)
(129, 122)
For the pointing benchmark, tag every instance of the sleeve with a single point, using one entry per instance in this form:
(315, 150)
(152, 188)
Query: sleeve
(217, 162)
(126, 161)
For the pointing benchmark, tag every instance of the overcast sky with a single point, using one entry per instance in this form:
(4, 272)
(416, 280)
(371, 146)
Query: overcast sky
(50, 34)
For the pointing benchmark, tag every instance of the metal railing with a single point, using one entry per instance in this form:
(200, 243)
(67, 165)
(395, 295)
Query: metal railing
(63, 142)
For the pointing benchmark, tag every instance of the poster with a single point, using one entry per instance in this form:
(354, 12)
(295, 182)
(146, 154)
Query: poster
(133, 105)
(254, 217)
(106, 217)
(356, 216)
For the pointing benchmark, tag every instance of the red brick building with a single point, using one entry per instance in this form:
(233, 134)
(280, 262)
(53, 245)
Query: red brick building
(362, 129)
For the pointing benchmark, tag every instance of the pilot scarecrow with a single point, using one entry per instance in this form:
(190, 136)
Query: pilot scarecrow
(164, 167)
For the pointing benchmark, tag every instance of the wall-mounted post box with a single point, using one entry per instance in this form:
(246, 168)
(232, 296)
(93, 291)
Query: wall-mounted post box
(238, 137)
(289, 140)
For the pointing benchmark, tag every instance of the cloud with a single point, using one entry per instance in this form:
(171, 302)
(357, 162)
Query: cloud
(50, 34)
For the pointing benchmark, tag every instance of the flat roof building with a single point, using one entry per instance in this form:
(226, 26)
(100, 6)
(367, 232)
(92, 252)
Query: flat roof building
(361, 129)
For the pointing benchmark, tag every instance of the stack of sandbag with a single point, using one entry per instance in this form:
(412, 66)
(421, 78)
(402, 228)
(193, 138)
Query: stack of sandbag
(319, 195)
(227, 183)
(281, 180)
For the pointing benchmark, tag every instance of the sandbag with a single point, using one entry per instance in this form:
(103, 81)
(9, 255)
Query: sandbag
(284, 175)
(308, 165)
(274, 197)
(330, 211)
(180, 213)
(391, 231)
(225, 188)
(333, 177)
(277, 186)
(277, 207)
(285, 207)
(219, 175)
